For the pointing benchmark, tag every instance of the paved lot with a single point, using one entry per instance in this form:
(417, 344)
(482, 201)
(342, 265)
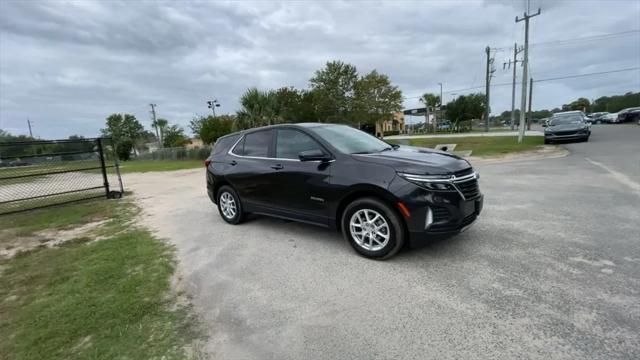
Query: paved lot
(551, 270)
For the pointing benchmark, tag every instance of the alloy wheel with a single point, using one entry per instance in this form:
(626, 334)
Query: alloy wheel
(369, 229)
(228, 205)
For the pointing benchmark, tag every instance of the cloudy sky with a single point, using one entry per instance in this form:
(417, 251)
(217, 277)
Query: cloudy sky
(67, 65)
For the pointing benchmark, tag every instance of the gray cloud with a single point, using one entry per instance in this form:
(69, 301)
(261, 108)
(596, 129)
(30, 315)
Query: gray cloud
(67, 65)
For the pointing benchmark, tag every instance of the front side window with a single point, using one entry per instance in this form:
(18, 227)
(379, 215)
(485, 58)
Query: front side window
(255, 144)
(290, 143)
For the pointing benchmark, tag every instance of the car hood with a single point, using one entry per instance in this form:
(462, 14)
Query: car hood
(567, 127)
(417, 160)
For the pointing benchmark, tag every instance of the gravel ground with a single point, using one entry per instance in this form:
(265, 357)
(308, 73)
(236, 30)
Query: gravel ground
(551, 270)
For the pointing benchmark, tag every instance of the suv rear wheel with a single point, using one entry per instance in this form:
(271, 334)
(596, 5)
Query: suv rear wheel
(373, 228)
(229, 205)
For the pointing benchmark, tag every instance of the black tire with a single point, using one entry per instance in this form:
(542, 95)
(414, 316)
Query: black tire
(393, 220)
(547, 141)
(239, 214)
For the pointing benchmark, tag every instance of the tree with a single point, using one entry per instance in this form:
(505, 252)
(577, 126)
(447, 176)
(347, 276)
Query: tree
(124, 130)
(288, 105)
(258, 107)
(334, 87)
(210, 128)
(174, 136)
(160, 126)
(430, 100)
(465, 108)
(375, 99)
(580, 104)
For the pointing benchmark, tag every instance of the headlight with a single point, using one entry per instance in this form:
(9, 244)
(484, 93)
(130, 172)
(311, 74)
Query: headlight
(431, 182)
(548, 130)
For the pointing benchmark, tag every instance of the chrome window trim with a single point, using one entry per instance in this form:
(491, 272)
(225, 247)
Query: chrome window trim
(230, 152)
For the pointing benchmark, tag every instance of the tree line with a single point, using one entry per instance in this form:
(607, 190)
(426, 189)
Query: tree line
(337, 93)
(611, 104)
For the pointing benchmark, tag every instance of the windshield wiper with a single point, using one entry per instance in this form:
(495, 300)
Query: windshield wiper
(392, 147)
(360, 152)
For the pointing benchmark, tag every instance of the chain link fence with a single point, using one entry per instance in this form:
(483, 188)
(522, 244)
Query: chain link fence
(36, 174)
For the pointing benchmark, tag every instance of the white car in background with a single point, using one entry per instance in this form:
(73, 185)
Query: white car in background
(610, 118)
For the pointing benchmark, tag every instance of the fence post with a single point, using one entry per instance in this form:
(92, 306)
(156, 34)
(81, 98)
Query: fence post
(104, 167)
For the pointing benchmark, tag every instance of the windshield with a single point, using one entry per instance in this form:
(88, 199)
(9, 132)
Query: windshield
(349, 140)
(567, 119)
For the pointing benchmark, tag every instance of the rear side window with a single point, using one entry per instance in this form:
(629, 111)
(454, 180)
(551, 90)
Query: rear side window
(290, 143)
(223, 144)
(254, 144)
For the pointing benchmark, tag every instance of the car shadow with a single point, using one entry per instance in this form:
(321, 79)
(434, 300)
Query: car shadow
(433, 247)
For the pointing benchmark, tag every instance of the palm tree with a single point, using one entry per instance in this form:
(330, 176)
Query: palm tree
(258, 107)
(160, 125)
(430, 101)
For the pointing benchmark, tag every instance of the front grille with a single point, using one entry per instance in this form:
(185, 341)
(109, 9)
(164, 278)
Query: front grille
(439, 213)
(563, 133)
(469, 188)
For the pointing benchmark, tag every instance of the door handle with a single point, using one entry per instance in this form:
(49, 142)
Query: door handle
(277, 167)
(233, 163)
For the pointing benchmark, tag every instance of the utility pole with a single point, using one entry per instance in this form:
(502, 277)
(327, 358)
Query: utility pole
(155, 124)
(516, 51)
(525, 69)
(490, 71)
(440, 106)
(29, 124)
(530, 94)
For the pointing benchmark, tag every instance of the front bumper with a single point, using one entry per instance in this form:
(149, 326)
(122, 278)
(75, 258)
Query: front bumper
(435, 214)
(576, 136)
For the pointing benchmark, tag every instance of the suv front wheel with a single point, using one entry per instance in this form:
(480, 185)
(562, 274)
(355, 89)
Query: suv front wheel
(373, 228)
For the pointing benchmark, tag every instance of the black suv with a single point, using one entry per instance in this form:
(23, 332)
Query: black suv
(380, 195)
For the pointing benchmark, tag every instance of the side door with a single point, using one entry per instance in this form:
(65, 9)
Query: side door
(301, 186)
(249, 166)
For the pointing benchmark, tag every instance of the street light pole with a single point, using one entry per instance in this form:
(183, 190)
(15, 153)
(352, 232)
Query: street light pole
(213, 104)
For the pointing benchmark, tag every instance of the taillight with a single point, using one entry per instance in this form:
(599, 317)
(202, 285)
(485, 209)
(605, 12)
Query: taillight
(207, 162)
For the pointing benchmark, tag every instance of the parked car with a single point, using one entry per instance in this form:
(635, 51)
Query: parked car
(567, 126)
(609, 118)
(629, 114)
(380, 196)
(598, 117)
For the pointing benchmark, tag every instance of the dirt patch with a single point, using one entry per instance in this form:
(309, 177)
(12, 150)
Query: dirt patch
(13, 245)
(544, 152)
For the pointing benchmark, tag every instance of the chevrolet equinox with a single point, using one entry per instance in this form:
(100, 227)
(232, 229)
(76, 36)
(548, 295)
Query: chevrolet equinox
(380, 196)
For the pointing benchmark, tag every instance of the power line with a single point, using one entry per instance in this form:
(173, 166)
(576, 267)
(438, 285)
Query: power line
(588, 74)
(585, 38)
(535, 81)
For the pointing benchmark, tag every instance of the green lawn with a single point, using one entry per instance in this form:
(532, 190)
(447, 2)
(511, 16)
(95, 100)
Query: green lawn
(87, 299)
(158, 165)
(484, 145)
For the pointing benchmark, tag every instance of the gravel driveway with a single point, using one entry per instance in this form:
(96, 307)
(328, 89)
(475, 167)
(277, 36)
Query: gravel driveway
(551, 270)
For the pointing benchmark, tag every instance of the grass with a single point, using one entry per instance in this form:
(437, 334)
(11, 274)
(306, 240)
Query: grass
(484, 146)
(158, 165)
(57, 218)
(86, 299)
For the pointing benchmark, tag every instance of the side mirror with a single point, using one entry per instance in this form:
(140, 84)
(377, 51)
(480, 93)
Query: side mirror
(313, 155)
(544, 125)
